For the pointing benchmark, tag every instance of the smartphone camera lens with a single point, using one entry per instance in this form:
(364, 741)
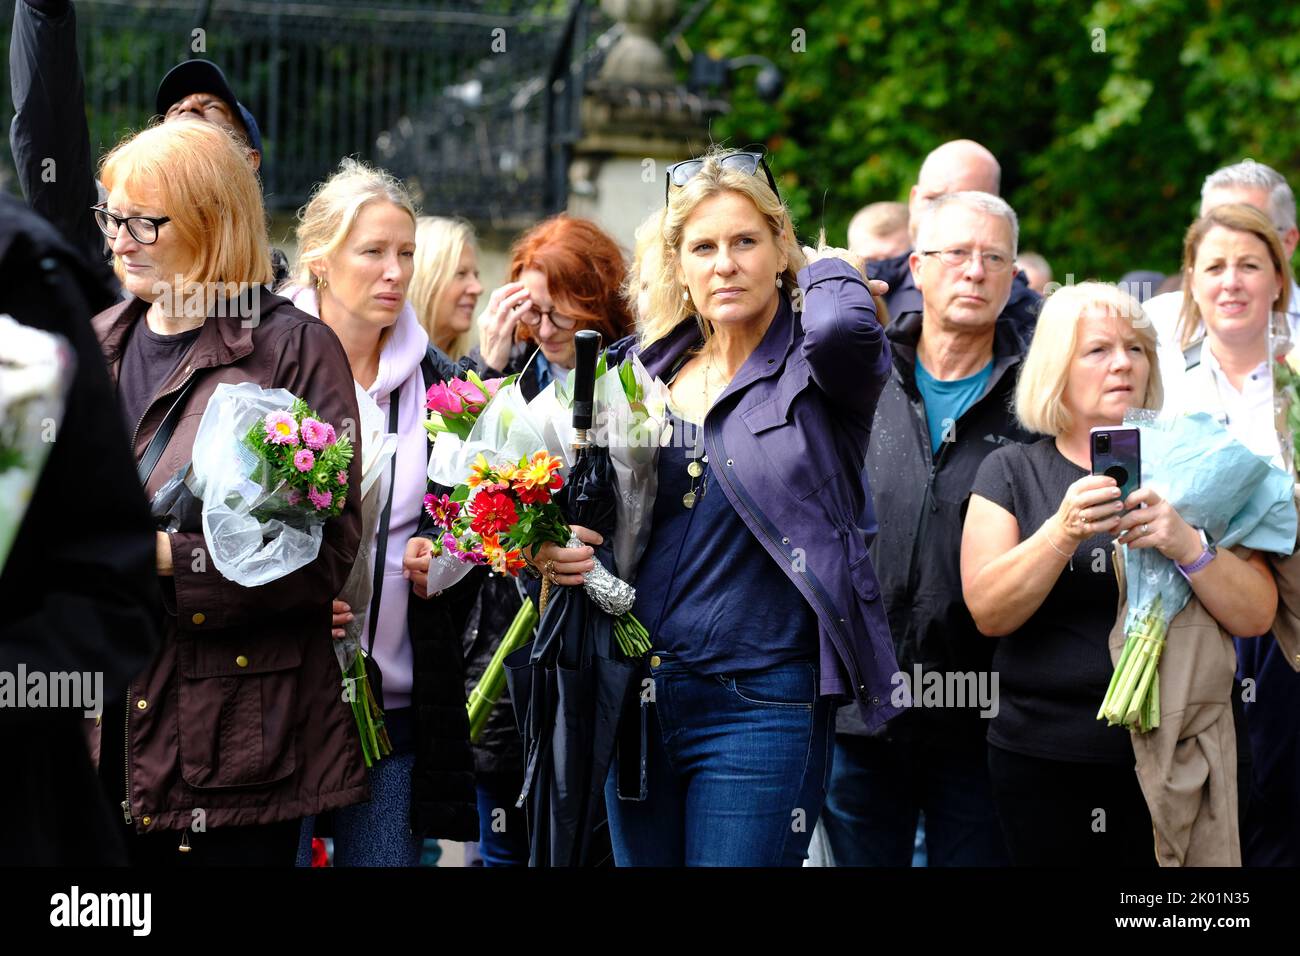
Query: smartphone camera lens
(1103, 444)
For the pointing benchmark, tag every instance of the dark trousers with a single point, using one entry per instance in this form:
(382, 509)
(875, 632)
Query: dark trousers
(879, 788)
(1059, 813)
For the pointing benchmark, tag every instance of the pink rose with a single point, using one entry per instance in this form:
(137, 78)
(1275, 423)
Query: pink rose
(443, 400)
(467, 391)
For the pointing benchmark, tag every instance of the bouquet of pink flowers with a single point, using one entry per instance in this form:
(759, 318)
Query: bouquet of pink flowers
(455, 405)
(269, 474)
(302, 458)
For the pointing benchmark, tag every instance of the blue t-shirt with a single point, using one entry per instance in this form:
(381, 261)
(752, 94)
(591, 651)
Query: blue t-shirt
(945, 402)
(706, 590)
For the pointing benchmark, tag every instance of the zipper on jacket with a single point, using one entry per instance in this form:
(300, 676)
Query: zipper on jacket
(126, 762)
(172, 391)
(813, 583)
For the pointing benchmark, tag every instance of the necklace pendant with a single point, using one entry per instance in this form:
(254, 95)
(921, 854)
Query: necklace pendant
(688, 499)
(695, 469)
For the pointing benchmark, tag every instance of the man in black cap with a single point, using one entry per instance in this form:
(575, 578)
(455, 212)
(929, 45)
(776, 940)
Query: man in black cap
(198, 88)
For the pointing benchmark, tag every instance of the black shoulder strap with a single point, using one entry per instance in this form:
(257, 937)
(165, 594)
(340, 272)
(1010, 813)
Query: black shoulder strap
(427, 369)
(381, 543)
(158, 444)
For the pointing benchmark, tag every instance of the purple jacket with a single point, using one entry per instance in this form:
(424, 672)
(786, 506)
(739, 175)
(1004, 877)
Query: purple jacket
(788, 438)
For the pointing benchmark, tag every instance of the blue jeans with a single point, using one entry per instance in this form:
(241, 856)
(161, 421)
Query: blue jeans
(879, 788)
(737, 770)
(503, 828)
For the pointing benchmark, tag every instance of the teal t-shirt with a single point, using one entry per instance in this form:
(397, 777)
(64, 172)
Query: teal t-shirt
(945, 402)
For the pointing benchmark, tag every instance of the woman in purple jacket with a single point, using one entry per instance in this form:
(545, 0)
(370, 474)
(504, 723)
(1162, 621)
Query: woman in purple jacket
(756, 586)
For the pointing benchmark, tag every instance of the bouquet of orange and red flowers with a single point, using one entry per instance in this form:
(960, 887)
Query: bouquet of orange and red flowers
(500, 511)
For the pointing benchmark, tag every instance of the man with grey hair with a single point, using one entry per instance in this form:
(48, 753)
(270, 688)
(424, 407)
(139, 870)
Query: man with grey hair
(947, 405)
(956, 166)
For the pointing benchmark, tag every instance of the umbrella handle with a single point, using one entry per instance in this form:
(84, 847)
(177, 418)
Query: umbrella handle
(586, 346)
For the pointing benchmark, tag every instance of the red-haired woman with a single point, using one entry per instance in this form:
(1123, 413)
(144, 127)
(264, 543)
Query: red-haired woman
(565, 275)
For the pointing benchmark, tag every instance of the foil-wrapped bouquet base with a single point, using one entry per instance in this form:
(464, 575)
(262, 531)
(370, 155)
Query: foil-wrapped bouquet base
(612, 595)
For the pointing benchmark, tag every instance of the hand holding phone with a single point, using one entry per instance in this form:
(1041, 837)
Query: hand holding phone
(1116, 453)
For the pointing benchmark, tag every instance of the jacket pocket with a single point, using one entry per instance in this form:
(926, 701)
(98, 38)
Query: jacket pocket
(237, 702)
(783, 428)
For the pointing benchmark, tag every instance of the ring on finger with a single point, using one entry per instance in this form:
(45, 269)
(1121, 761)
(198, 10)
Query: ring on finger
(1145, 528)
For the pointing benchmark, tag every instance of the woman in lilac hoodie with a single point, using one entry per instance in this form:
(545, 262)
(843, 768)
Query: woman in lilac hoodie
(355, 260)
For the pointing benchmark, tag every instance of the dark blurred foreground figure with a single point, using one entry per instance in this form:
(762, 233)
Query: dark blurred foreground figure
(77, 593)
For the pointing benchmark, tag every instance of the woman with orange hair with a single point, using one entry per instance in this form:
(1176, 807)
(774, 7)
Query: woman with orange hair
(236, 730)
(566, 274)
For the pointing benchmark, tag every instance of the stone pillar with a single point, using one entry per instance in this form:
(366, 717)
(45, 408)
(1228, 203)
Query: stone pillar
(636, 120)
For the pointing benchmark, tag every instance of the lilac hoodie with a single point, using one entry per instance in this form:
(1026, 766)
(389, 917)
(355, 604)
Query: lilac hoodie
(399, 375)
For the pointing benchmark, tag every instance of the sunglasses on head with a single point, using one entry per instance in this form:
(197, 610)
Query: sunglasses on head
(679, 174)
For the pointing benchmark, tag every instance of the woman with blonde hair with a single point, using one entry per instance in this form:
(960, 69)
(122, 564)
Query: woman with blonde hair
(1237, 279)
(1037, 572)
(756, 585)
(238, 722)
(646, 263)
(356, 257)
(445, 287)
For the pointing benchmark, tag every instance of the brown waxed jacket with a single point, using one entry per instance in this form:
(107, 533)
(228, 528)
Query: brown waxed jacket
(1187, 767)
(241, 714)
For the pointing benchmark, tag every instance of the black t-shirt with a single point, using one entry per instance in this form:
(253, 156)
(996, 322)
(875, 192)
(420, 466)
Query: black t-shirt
(1053, 672)
(148, 360)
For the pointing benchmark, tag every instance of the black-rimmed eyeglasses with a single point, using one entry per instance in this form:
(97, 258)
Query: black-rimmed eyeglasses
(679, 174)
(143, 229)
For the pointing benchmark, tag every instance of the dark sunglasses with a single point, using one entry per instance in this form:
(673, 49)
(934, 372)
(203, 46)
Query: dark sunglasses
(679, 174)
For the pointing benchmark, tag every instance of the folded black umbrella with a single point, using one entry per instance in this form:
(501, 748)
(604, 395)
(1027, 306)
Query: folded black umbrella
(573, 683)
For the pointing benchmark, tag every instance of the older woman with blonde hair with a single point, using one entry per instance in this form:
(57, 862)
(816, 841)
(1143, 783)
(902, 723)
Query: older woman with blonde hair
(237, 724)
(356, 257)
(756, 585)
(445, 286)
(1037, 572)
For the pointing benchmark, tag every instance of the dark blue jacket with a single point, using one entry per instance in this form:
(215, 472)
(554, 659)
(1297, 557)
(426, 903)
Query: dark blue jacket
(788, 438)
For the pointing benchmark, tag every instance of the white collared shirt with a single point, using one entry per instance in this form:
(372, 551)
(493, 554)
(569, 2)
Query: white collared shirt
(1247, 414)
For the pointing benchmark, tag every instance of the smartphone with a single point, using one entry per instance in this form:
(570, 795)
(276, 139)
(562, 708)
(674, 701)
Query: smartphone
(1116, 453)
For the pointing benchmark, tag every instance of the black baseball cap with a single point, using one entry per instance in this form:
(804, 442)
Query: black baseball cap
(204, 76)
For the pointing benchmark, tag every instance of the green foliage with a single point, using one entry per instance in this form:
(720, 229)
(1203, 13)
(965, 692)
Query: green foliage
(1106, 118)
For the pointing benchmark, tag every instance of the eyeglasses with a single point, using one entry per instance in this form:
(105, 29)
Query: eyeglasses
(679, 174)
(143, 229)
(956, 258)
(533, 319)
